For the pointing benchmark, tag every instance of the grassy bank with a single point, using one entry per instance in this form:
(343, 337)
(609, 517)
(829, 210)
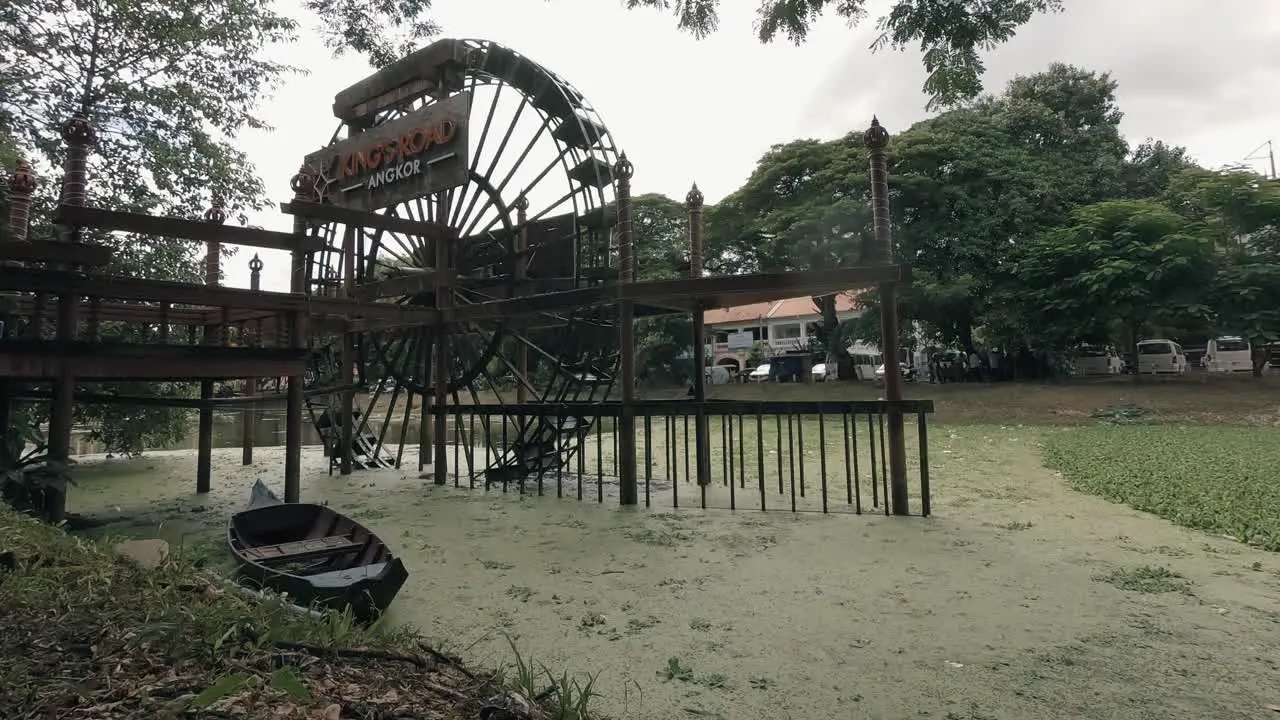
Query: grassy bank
(90, 635)
(1218, 479)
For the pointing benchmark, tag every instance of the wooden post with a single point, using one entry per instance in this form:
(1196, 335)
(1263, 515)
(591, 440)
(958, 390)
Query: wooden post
(249, 415)
(522, 272)
(876, 139)
(628, 490)
(212, 277)
(702, 434)
(444, 300)
(79, 135)
(304, 190)
(348, 358)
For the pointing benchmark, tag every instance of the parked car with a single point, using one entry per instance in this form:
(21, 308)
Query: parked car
(908, 372)
(759, 374)
(821, 373)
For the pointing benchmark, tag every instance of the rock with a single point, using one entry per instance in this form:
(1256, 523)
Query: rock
(508, 706)
(147, 554)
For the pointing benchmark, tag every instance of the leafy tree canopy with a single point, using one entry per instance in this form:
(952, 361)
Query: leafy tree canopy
(950, 34)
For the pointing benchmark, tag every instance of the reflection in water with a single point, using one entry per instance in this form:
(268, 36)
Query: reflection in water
(228, 432)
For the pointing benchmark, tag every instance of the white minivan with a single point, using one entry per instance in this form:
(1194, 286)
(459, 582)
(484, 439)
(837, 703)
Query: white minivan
(1159, 355)
(1229, 353)
(1096, 360)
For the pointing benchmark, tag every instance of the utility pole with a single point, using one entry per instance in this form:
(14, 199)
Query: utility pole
(1270, 157)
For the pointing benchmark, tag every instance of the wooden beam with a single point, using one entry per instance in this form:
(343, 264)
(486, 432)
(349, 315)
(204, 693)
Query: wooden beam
(356, 310)
(418, 65)
(410, 284)
(172, 227)
(61, 253)
(57, 282)
(361, 218)
(131, 312)
(777, 285)
(88, 367)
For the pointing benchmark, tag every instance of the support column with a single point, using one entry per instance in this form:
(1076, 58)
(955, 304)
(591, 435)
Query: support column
(79, 135)
(876, 139)
(215, 215)
(693, 203)
(628, 490)
(22, 185)
(348, 358)
(521, 272)
(440, 381)
(304, 190)
(249, 415)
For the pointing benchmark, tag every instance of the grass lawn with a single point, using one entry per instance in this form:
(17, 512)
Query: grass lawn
(1197, 399)
(1219, 479)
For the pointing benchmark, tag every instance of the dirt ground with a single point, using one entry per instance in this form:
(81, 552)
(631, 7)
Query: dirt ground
(1020, 599)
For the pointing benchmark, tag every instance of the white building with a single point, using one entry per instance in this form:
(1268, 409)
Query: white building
(784, 326)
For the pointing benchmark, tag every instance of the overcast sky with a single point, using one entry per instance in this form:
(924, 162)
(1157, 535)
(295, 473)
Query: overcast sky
(1191, 72)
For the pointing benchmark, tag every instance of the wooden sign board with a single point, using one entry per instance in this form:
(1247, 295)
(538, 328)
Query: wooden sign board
(411, 157)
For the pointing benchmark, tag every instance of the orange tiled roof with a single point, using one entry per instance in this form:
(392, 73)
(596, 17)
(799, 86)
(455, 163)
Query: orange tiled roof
(777, 310)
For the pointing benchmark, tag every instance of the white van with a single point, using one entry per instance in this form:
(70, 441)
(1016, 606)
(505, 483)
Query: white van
(1096, 360)
(1159, 355)
(865, 359)
(1229, 353)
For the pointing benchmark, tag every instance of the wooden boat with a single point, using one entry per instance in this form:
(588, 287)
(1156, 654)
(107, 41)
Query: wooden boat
(316, 555)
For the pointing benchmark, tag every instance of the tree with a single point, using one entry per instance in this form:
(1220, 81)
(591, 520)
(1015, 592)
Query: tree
(950, 34)
(967, 186)
(1239, 211)
(1134, 262)
(168, 86)
(660, 233)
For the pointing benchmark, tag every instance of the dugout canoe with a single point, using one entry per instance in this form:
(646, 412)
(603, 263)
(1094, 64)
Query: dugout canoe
(319, 557)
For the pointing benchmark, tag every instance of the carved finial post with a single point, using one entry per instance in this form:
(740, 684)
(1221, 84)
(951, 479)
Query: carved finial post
(876, 139)
(255, 273)
(628, 488)
(250, 416)
(693, 203)
(215, 215)
(305, 189)
(79, 135)
(623, 170)
(214, 334)
(22, 185)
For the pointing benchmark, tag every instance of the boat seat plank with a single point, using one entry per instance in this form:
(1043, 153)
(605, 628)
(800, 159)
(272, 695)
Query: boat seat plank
(302, 549)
